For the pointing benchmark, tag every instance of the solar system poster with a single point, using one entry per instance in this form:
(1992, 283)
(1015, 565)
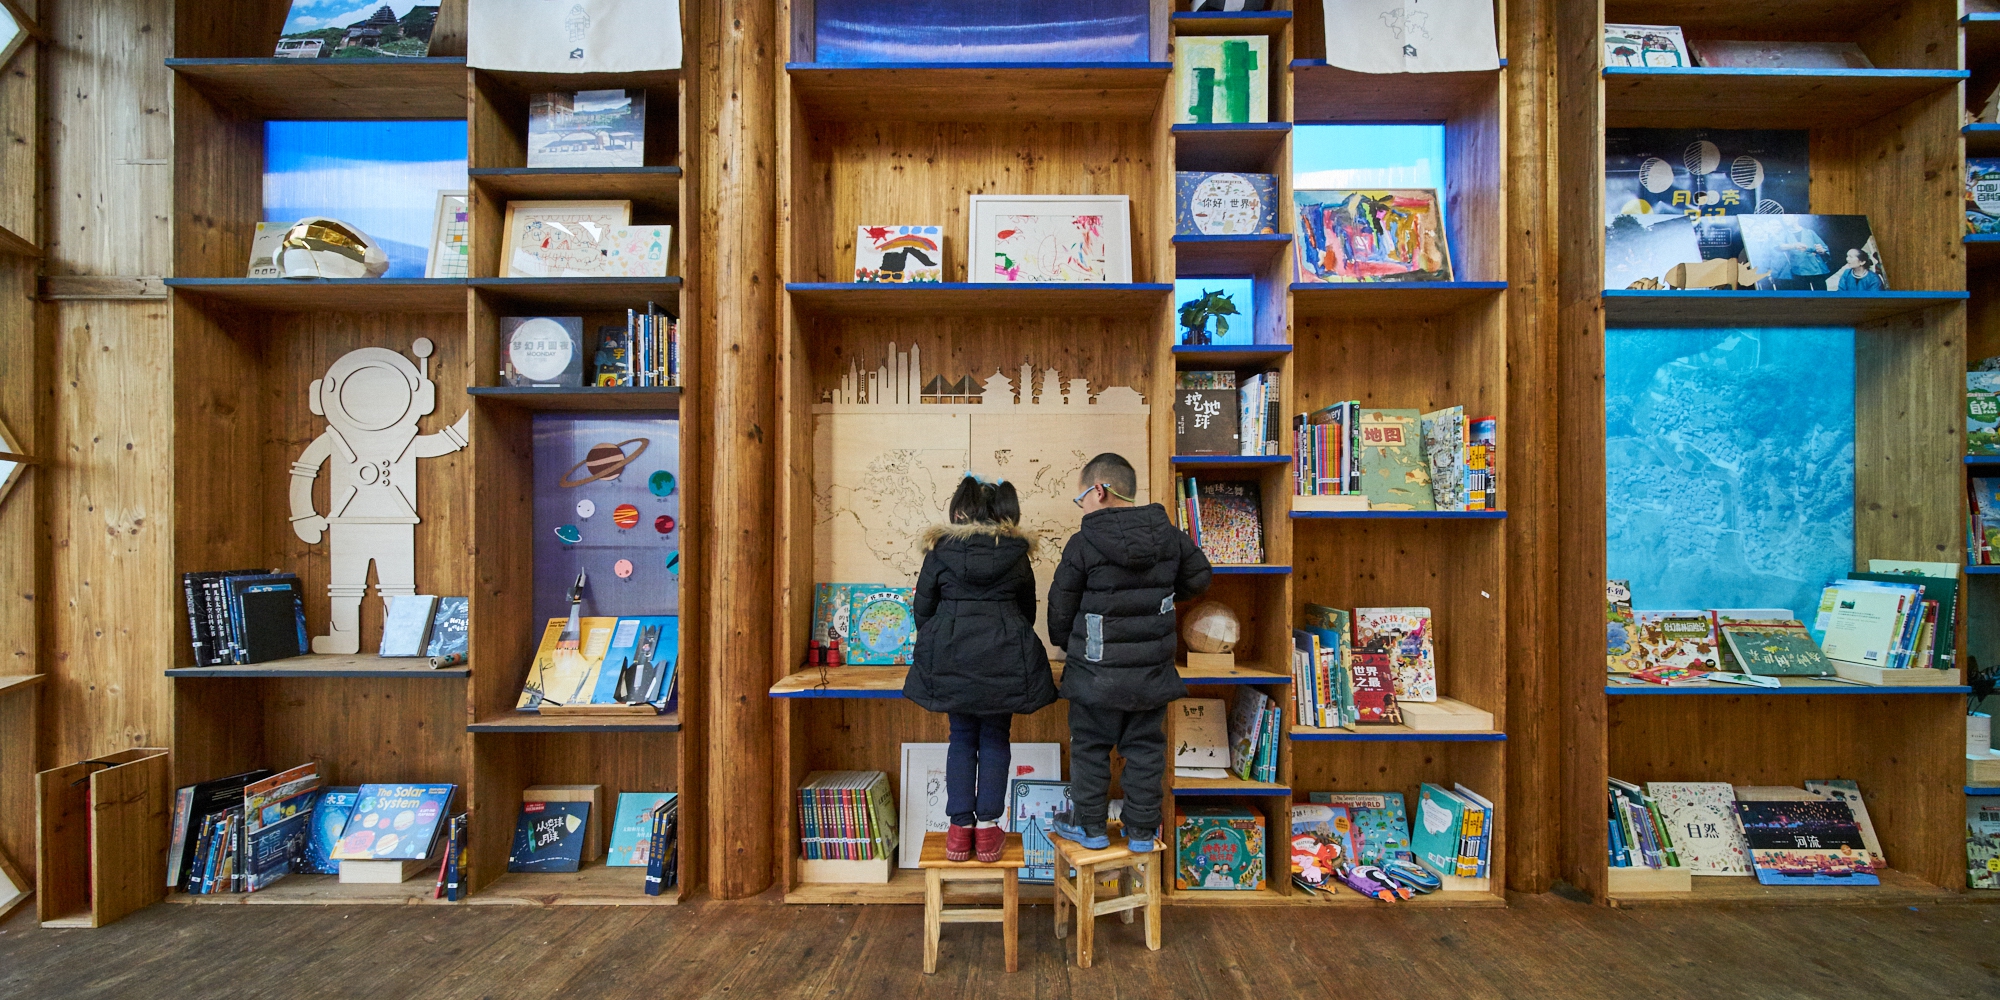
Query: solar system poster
(1706, 174)
(607, 503)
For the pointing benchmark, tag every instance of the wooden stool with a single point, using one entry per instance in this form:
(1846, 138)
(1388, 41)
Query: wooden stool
(938, 871)
(1080, 892)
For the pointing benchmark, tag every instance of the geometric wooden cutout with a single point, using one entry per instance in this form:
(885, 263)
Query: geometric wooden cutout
(15, 30)
(14, 890)
(12, 462)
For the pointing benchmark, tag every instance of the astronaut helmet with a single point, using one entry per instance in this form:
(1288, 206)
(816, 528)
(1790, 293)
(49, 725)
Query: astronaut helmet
(319, 247)
(374, 389)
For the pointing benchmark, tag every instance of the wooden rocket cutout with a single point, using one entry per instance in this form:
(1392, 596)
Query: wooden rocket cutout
(372, 399)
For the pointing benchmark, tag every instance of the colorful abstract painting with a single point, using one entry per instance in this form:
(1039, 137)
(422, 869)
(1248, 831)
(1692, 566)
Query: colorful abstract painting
(898, 254)
(1222, 80)
(1025, 31)
(1386, 235)
(1059, 247)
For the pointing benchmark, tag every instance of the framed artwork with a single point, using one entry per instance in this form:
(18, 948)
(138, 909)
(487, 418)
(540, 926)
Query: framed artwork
(1222, 80)
(898, 254)
(1077, 239)
(1383, 235)
(451, 251)
(559, 239)
(1645, 45)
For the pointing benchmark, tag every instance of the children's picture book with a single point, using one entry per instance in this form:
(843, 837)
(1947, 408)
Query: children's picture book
(1322, 841)
(1230, 525)
(451, 631)
(393, 822)
(1820, 253)
(565, 668)
(1405, 635)
(1864, 622)
(1640, 250)
(1775, 650)
(1482, 463)
(1200, 732)
(631, 832)
(1700, 820)
(1375, 687)
(899, 254)
(329, 821)
(1435, 832)
(1247, 720)
(1677, 639)
(1707, 173)
(1381, 828)
(1982, 413)
(1806, 842)
(587, 128)
(1218, 847)
(1371, 235)
(549, 836)
(1982, 841)
(451, 237)
(1621, 628)
(1444, 448)
(1982, 195)
(1212, 203)
(1849, 792)
(921, 798)
(1393, 472)
(881, 627)
(1222, 79)
(542, 350)
(346, 29)
(1205, 422)
(638, 667)
(1032, 806)
(277, 824)
(406, 628)
(1645, 45)
(829, 623)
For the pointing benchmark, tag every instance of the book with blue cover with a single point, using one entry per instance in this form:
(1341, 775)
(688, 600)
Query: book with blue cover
(1034, 805)
(632, 832)
(1809, 842)
(549, 837)
(1381, 829)
(394, 823)
(450, 630)
(277, 818)
(638, 666)
(329, 819)
(1440, 823)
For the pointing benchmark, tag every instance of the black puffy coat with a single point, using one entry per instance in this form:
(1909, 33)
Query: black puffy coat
(1111, 607)
(977, 650)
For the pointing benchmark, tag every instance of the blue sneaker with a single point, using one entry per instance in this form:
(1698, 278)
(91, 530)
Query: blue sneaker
(1143, 842)
(1068, 830)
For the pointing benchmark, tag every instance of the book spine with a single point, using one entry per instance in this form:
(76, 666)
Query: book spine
(195, 637)
(1614, 841)
(1273, 417)
(177, 833)
(1662, 834)
(655, 855)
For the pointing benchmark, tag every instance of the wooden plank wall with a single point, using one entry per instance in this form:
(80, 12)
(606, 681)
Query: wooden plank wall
(110, 481)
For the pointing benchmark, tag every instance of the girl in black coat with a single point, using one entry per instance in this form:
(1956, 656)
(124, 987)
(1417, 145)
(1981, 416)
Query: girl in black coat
(977, 657)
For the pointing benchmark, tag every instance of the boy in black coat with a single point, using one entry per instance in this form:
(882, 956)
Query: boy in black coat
(1111, 608)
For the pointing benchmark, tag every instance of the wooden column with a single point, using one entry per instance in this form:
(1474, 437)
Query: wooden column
(738, 181)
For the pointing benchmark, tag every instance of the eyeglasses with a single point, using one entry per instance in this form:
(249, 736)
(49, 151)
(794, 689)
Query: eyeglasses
(1078, 500)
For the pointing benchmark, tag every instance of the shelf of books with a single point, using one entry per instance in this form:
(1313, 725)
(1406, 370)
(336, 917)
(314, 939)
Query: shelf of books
(1738, 214)
(405, 374)
(889, 373)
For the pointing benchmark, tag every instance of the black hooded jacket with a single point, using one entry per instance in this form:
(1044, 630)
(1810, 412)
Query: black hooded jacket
(1111, 607)
(977, 651)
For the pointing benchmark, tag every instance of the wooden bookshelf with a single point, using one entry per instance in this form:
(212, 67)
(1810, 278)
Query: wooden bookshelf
(1908, 421)
(244, 352)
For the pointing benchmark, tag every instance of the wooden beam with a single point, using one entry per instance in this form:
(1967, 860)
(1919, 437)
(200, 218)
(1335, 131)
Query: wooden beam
(17, 245)
(102, 287)
(739, 321)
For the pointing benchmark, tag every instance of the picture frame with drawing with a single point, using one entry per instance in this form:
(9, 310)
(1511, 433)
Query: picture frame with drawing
(559, 239)
(1050, 239)
(451, 246)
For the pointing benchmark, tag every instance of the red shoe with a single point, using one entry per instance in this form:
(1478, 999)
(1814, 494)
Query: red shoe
(992, 840)
(958, 843)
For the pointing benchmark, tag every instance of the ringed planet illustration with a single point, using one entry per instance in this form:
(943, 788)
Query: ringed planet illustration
(661, 483)
(604, 461)
(569, 534)
(664, 523)
(625, 516)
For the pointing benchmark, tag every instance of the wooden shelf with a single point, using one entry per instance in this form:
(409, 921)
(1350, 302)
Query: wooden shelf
(1790, 686)
(1247, 569)
(330, 665)
(1227, 256)
(1979, 790)
(1982, 459)
(1981, 139)
(651, 190)
(1399, 515)
(1323, 94)
(532, 722)
(13, 244)
(1982, 569)
(1204, 356)
(981, 92)
(270, 88)
(20, 682)
(608, 398)
(977, 299)
(594, 885)
(1240, 22)
(906, 885)
(842, 682)
(321, 295)
(1698, 97)
(1897, 889)
(1982, 43)
(1229, 675)
(583, 293)
(1627, 308)
(1982, 249)
(524, 84)
(320, 890)
(1391, 734)
(1388, 299)
(1232, 461)
(1225, 786)
(1249, 147)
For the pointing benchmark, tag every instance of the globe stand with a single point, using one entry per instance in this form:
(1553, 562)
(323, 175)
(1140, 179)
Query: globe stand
(1211, 661)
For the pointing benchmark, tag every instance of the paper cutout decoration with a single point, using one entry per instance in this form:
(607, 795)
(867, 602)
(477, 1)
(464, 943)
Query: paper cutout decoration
(585, 508)
(12, 463)
(625, 516)
(1411, 36)
(372, 399)
(604, 461)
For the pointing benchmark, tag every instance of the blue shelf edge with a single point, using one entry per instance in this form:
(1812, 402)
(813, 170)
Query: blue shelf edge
(1980, 18)
(1364, 736)
(1232, 459)
(1235, 238)
(840, 693)
(1323, 64)
(1251, 570)
(1186, 127)
(1231, 15)
(1408, 515)
(983, 66)
(1981, 789)
(1200, 349)
(1982, 238)
(1655, 689)
(1721, 71)
(1466, 286)
(1982, 569)
(1982, 459)
(918, 287)
(1271, 791)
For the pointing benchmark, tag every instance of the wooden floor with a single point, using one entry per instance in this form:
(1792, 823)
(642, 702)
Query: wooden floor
(1544, 948)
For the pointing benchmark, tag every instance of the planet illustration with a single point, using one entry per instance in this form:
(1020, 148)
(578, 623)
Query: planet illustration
(664, 523)
(661, 483)
(603, 461)
(623, 568)
(585, 508)
(674, 563)
(387, 843)
(625, 516)
(569, 534)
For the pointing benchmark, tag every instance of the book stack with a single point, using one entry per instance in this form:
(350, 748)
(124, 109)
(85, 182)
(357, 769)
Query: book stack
(1639, 838)
(393, 832)
(1461, 844)
(1258, 406)
(663, 851)
(846, 816)
(1887, 621)
(1362, 840)
(1322, 670)
(244, 616)
(1348, 458)
(646, 352)
(1367, 667)
(1816, 835)
(452, 874)
(1225, 519)
(1253, 736)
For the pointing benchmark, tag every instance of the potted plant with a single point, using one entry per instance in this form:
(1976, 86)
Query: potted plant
(1195, 314)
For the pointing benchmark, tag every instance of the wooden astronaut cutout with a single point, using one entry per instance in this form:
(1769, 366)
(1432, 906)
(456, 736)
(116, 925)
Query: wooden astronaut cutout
(372, 399)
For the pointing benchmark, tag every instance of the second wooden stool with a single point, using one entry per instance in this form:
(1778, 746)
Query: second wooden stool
(938, 871)
(1080, 892)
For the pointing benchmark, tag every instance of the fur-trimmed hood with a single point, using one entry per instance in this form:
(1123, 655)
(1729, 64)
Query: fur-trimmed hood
(1005, 529)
